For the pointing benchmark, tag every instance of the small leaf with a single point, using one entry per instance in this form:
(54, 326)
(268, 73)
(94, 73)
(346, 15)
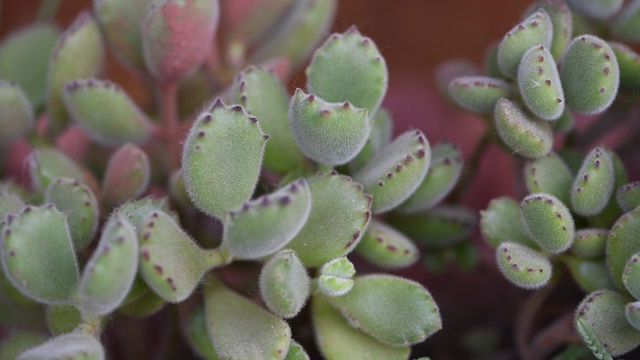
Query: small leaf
(439, 227)
(590, 243)
(629, 63)
(221, 159)
(589, 274)
(539, 83)
(549, 174)
(37, 255)
(603, 313)
(120, 22)
(176, 36)
(127, 175)
(631, 276)
(48, 164)
(136, 210)
(284, 284)
(79, 53)
(622, 243)
(62, 319)
(626, 24)
(296, 352)
(562, 21)
(337, 340)
(194, 328)
(523, 266)
(336, 277)
(379, 137)
(349, 67)
(16, 113)
(593, 184)
(9, 204)
(596, 9)
(628, 196)
(326, 132)
(67, 346)
(444, 171)
(589, 74)
(171, 263)
(110, 272)
(589, 337)
(531, 138)
(264, 96)
(536, 29)
(548, 221)
(450, 70)
(105, 112)
(297, 40)
(265, 225)
(632, 311)
(501, 222)
(395, 173)
(143, 306)
(565, 123)
(394, 310)
(239, 329)
(386, 247)
(479, 94)
(340, 213)
(24, 58)
(78, 202)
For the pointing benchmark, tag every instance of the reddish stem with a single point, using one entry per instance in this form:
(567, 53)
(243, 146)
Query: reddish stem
(169, 113)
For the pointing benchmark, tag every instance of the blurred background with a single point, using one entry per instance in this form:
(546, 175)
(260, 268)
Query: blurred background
(479, 307)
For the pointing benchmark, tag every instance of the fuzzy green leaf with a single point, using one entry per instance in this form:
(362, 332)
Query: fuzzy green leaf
(562, 21)
(340, 213)
(629, 63)
(68, 346)
(501, 222)
(105, 112)
(194, 325)
(24, 58)
(549, 174)
(628, 196)
(593, 185)
(451, 70)
(379, 137)
(62, 319)
(171, 263)
(10, 203)
(176, 37)
(596, 9)
(264, 96)
(539, 83)
(528, 137)
(536, 29)
(479, 94)
(37, 254)
(622, 243)
(626, 24)
(240, 329)
(326, 132)
(394, 310)
(337, 340)
(284, 284)
(127, 175)
(296, 352)
(590, 243)
(589, 274)
(265, 225)
(523, 266)
(548, 221)
(110, 272)
(589, 74)
(395, 173)
(349, 67)
(78, 202)
(336, 277)
(632, 312)
(444, 171)
(386, 247)
(603, 314)
(16, 113)
(631, 276)
(48, 164)
(79, 53)
(221, 159)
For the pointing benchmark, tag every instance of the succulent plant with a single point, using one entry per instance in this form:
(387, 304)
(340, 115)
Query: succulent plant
(266, 199)
(580, 212)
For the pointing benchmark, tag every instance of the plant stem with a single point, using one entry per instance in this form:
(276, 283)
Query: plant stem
(47, 10)
(91, 325)
(615, 116)
(527, 314)
(553, 336)
(217, 257)
(470, 171)
(169, 112)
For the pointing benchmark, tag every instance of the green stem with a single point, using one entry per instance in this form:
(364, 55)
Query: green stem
(217, 257)
(169, 112)
(48, 10)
